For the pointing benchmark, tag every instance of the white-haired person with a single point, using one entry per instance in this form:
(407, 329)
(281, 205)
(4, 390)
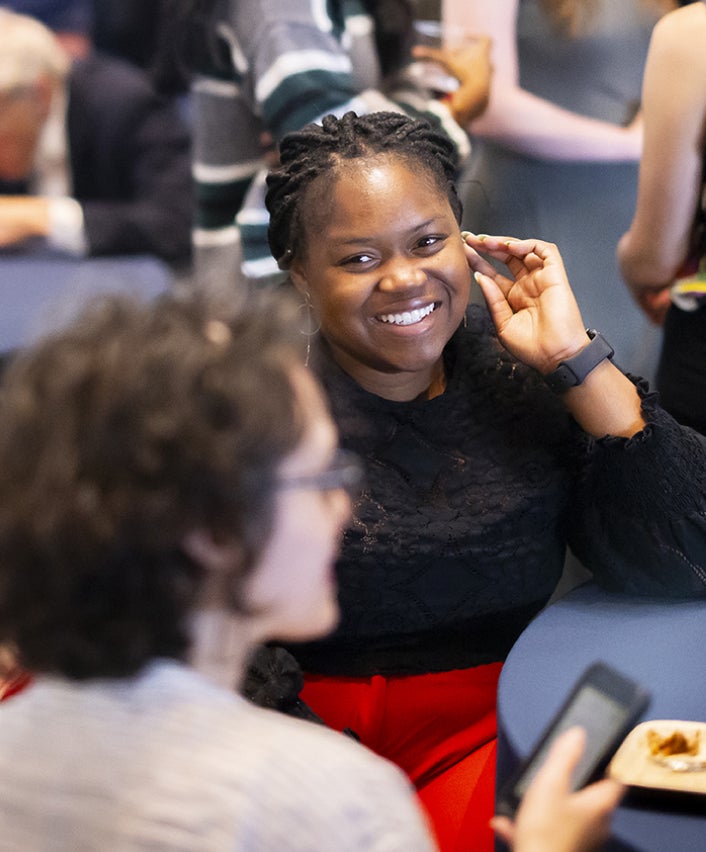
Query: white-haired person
(93, 161)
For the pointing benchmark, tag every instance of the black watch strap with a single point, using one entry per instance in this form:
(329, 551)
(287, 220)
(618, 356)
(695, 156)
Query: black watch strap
(573, 371)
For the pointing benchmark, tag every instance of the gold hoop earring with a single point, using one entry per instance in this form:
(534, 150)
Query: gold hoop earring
(311, 327)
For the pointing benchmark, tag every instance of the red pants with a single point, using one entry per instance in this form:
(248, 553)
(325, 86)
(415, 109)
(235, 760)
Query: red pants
(439, 728)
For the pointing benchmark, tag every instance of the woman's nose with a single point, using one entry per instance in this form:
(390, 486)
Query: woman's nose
(402, 273)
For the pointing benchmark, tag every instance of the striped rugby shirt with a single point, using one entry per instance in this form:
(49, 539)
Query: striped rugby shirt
(290, 63)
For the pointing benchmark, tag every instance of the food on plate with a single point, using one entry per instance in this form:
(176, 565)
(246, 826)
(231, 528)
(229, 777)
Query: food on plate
(675, 742)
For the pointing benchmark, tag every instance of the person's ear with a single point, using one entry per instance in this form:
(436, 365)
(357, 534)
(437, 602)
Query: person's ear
(298, 277)
(216, 558)
(220, 562)
(44, 92)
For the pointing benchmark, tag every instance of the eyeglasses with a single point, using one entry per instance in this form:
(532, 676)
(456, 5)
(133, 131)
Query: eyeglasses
(344, 471)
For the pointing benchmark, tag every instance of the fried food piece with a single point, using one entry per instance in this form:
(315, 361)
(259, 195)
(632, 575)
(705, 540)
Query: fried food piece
(677, 742)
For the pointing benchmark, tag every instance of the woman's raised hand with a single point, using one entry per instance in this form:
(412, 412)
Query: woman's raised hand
(533, 308)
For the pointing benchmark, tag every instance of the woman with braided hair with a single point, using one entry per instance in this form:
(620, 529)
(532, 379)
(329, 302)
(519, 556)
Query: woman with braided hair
(262, 68)
(491, 439)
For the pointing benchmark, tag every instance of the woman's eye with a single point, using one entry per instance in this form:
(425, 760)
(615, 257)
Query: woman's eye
(362, 259)
(431, 242)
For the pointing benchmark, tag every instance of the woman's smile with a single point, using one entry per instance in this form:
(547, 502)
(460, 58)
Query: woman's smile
(408, 317)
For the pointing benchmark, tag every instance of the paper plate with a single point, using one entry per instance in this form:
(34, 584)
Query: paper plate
(635, 764)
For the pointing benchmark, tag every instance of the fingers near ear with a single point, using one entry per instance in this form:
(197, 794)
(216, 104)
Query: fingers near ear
(478, 263)
(499, 308)
(492, 246)
(523, 250)
(532, 261)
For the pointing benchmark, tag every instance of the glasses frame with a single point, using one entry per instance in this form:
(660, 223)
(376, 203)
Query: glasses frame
(344, 472)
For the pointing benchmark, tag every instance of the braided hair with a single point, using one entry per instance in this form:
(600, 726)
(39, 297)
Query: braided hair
(319, 150)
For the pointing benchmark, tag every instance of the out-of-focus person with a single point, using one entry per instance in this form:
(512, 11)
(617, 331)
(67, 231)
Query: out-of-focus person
(71, 21)
(666, 243)
(92, 160)
(556, 151)
(160, 515)
(261, 68)
(128, 29)
(171, 494)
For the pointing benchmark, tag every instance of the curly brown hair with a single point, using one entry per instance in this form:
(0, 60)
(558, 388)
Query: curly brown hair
(134, 426)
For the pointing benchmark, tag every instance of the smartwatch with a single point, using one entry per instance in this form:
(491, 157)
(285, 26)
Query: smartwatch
(573, 371)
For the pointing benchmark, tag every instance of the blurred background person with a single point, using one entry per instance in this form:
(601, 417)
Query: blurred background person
(92, 160)
(152, 498)
(72, 21)
(127, 29)
(262, 69)
(667, 238)
(561, 139)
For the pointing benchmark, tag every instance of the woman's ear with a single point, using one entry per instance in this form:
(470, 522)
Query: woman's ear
(298, 278)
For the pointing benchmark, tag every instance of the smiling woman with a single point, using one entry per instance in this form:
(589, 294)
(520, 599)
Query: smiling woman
(475, 477)
(382, 265)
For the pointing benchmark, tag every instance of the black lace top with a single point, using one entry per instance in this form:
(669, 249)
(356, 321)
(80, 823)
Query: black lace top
(470, 499)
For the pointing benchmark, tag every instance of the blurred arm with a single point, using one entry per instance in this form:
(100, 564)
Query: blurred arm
(674, 104)
(522, 121)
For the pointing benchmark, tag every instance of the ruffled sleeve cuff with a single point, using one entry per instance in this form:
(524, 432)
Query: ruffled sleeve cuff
(640, 520)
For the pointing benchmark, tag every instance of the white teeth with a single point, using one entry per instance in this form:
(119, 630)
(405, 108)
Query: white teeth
(408, 317)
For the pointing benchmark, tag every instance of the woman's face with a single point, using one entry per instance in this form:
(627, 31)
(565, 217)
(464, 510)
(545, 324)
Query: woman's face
(384, 266)
(293, 589)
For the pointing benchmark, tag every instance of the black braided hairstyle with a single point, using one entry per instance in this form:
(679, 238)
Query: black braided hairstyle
(320, 150)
